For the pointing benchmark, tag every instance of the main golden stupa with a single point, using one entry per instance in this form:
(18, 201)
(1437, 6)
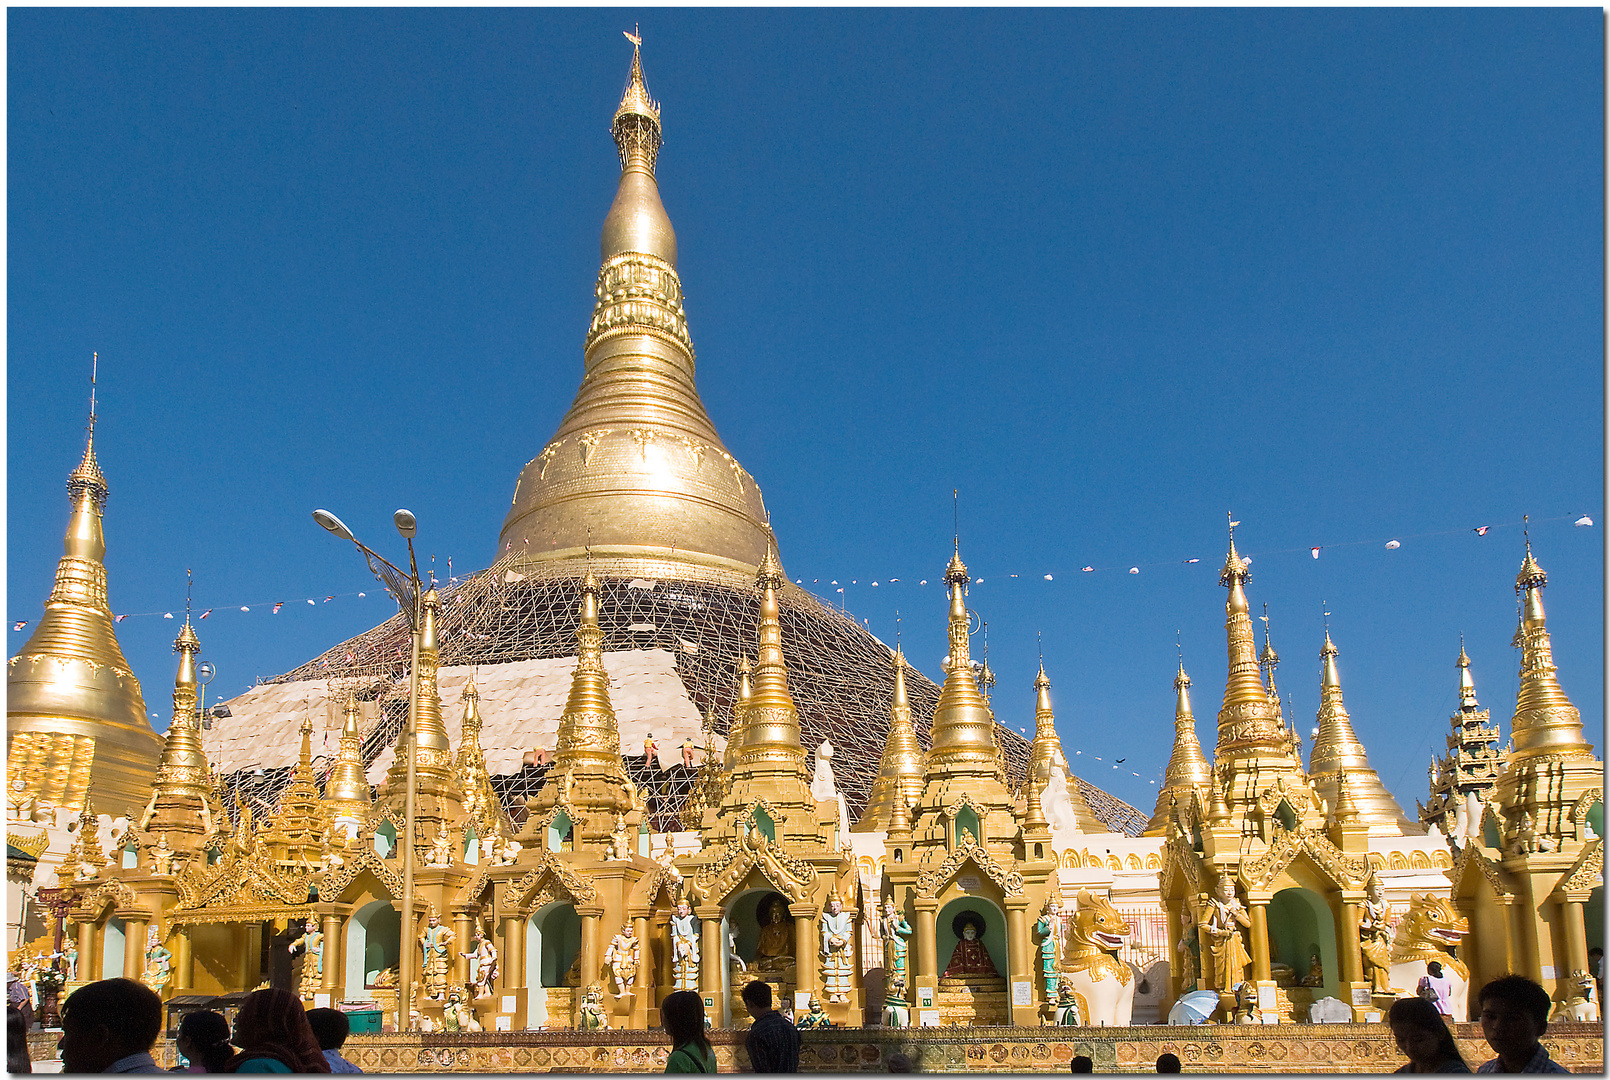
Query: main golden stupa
(637, 488)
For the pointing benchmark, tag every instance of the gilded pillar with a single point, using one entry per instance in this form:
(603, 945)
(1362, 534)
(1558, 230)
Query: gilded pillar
(1260, 942)
(462, 925)
(1017, 941)
(1352, 961)
(333, 965)
(134, 948)
(710, 953)
(512, 962)
(183, 961)
(89, 955)
(1576, 938)
(806, 961)
(1511, 939)
(927, 943)
(589, 948)
(646, 980)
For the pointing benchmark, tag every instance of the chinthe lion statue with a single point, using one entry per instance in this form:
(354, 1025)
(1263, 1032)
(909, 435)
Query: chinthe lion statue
(1582, 1001)
(1103, 985)
(1429, 932)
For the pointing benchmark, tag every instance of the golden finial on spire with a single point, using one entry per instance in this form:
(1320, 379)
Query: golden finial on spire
(1337, 753)
(1187, 772)
(899, 779)
(1467, 684)
(1545, 721)
(637, 120)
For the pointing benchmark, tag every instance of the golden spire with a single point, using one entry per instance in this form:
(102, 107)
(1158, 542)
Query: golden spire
(1338, 751)
(486, 810)
(1346, 809)
(899, 779)
(735, 730)
(770, 718)
(346, 789)
(589, 735)
(1248, 718)
(1545, 721)
(428, 717)
(296, 832)
(182, 806)
(636, 470)
(76, 719)
(962, 740)
(1187, 771)
(439, 796)
(1467, 684)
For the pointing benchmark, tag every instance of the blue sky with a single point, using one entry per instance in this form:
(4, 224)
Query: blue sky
(1111, 273)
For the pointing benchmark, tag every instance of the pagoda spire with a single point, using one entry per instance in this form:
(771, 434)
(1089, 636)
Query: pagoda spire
(1188, 772)
(1248, 721)
(962, 740)
(899, 779)
(75, 717)
(1471, 764)
(439, 801)
(346, 789)
(1337, 751)
(636, 470)
(770, 720)
(183, 809)
(295, 834)
(1545, 721)
(480, 800)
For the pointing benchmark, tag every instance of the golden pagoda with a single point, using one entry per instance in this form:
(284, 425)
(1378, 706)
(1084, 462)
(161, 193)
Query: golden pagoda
(183, 814)
(75, 718)
(481, 803)
(900, 769)
(1188, 777)
(1462, 781)
(1525, 880)
(439, 802)
(1337, 751)
(346, 789)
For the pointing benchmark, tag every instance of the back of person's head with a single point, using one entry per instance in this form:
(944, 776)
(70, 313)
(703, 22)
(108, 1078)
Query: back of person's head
(17, 1059)
(758, 994)
(330, 1026)
(682, 1017)
(898, 1063)
(1518, 992)
(130, 1011)
(273, 1023)
(1082, 1064)
(1434, 969)
(207, 1032)
(1168, 1063)
(1417, 1012)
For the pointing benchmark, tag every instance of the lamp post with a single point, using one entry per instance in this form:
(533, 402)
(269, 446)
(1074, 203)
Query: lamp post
(405, 589)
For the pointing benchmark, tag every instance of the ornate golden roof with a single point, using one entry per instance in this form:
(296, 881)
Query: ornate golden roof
(1248, 718)
(900, 769)
(636, 469)
(75, 715)
(1188, 771)
(1545, 721)
(1338, 751)
(770, 722)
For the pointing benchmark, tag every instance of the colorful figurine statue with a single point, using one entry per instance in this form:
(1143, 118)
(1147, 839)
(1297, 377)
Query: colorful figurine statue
(158, 961)
(1188, 949)
(458, 1016)
(816, 1018)
(483, 964)
(1375, 937)
(837, 935)
(685, 947)
(311, 941)
(896, 1009)
(1048, 928)
(1068, 1011)
(436, 943)
(970, 957)
(622, 959)
(1226, 918)
(894, 930)
(591, 1016)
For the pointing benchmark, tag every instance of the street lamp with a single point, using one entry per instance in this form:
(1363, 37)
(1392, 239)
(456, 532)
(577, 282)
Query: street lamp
(405, 589)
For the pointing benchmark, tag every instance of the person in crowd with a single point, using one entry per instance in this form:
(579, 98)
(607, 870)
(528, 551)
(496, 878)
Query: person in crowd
(109, 1026)
(274, 1036)
(331, 1027)
(18, 997)
(1168, 1063)
(17, 1059)
(1514, 1017)
(1082, 1064)
(773, 1042)
(1437, 988)
(1423, 1036)
(898, 1063)
(1596, 969)
(203, 1038)
(682, 1017)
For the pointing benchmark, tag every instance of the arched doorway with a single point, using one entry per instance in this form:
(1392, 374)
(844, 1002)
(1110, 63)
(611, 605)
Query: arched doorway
(1301, 926)
(552, 943)
(971, 994)
(113, 947)
(374, 935)
(758, 929)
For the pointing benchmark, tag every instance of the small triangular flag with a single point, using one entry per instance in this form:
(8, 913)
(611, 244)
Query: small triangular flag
(204, 614)
(1481, 530)
(278, 606)
(19, 625)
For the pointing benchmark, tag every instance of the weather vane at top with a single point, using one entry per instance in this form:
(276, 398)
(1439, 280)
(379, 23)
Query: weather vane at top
(634, 36)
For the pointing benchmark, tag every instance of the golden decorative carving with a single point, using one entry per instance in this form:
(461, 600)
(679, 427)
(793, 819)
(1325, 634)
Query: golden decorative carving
(538, 884)
(360, 856)
(967, 849)
(1588, 873)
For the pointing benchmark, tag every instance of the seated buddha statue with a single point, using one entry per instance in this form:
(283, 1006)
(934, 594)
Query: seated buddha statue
(970, 957)
(775, 950)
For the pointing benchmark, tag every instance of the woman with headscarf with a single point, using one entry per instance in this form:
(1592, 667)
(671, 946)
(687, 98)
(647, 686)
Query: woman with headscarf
(274, 1036)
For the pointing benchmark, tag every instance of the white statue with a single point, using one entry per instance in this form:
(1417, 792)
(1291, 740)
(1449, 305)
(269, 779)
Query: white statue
(685, 947)
(622, 960)
(837, 936)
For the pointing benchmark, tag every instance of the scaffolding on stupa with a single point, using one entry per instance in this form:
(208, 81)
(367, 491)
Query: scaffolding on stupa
(518, 609)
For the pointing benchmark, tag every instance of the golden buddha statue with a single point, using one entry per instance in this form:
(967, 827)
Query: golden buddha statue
(775, 950)
(970, 957)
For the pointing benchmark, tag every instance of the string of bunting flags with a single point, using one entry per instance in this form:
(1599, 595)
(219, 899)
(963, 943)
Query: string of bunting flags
(1390, 544)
